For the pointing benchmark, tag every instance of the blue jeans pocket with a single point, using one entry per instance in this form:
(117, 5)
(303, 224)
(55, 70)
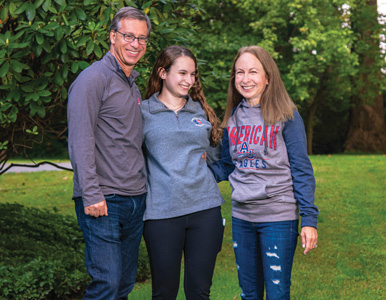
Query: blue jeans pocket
(110, 196)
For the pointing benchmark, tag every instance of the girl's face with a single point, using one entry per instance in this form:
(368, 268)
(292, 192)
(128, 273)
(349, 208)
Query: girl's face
(180, 77)
(250, 78)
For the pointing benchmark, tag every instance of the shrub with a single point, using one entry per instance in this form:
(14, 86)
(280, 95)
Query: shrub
(45, 44)
(42, 255)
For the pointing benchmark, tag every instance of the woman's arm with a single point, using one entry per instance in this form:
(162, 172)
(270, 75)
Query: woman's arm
(303, 179)
(301, 170)
(222, 168)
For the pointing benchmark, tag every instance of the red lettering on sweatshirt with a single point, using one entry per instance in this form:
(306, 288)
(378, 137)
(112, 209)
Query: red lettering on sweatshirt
(263, 137)
(253, 135)
(256, 138)
(241, 134)
(273, 137)
(247, 131)
(253, 129)
(232, 136)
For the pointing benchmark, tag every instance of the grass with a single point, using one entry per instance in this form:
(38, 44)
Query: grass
(349, 263)
(51, 190)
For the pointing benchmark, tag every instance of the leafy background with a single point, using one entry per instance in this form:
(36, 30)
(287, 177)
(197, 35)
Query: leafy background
(327, 51)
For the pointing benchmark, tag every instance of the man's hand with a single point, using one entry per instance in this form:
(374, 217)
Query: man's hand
(96, 210)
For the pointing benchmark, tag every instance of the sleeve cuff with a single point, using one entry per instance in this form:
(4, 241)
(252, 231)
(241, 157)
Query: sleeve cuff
(309, 221)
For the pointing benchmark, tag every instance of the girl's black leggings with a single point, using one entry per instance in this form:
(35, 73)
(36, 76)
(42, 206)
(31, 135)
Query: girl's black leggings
(199, 237)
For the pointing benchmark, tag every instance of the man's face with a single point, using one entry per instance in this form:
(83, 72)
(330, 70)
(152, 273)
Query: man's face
(128, 53)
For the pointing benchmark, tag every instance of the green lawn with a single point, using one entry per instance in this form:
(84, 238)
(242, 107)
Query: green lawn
(349, 263)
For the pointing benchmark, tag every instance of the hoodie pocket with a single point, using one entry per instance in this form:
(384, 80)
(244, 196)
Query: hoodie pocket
(245, 192)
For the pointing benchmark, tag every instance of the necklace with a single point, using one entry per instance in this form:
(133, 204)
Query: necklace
(171, 106)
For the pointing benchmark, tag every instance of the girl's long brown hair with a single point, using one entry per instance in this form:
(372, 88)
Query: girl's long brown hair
(276, 104)
(165, 60)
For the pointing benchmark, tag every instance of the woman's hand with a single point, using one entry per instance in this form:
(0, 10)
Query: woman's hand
(309, 238)
(204, 156)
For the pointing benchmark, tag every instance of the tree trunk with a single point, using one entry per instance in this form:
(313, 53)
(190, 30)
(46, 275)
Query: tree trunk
(314, 107)
(310, 120)
(367, 131)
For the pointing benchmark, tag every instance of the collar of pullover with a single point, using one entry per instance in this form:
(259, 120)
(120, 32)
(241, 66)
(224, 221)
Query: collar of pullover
(155, 105)
(114, 65)
(245, 103)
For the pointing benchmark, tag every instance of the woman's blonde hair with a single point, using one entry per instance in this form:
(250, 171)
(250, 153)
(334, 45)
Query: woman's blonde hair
(276, 104)
(164, 61)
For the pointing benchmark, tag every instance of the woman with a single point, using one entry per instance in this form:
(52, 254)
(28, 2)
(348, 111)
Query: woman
(183, 203)
(273, 176)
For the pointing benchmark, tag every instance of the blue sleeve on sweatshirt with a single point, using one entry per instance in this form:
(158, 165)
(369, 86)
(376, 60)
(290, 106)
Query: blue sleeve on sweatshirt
(222, 168)
(301, 170)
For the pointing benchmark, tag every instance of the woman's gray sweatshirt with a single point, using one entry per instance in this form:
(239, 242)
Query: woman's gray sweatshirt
(179, 180)
(273, 176)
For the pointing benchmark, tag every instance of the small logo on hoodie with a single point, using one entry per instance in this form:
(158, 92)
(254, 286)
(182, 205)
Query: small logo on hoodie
(197, 121)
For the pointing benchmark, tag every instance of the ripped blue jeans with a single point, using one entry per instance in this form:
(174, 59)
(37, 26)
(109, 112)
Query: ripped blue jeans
(264, 255)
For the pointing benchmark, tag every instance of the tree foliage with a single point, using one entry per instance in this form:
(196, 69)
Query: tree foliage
(311, 41)
(367, 131)
(317, 44)
(46, 43)
(322, 62)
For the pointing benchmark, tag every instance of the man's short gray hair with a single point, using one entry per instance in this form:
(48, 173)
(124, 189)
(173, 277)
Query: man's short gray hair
(129, 13)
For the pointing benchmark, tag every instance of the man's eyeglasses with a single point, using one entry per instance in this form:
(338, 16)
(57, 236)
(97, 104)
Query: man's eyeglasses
(131, 38)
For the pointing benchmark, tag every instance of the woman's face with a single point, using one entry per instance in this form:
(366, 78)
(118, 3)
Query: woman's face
(250, 78)
(180, 77)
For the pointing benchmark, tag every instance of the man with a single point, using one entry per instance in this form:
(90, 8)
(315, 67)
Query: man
(105, 139)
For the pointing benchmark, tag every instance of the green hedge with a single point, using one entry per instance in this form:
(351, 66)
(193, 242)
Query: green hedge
(45, 44)
(42, 255)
